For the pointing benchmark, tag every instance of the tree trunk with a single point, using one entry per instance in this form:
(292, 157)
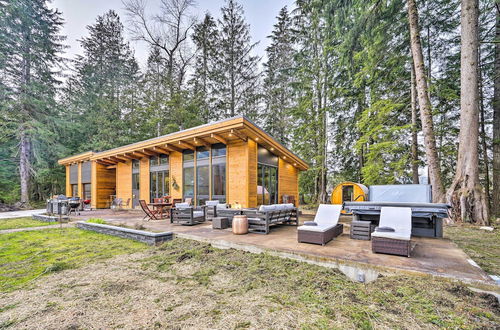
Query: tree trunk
(425, 106)
(496, 120)
(484, 146)
(414, 128)
(24, 165)
(466, 194)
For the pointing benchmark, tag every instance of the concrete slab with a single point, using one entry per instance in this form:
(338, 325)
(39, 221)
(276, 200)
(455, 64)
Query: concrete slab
(20, 214)
(437, 257)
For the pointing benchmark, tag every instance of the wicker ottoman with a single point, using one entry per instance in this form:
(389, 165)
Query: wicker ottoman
(220, 223)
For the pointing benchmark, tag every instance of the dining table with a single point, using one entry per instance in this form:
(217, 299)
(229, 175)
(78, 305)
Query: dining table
(161, 208)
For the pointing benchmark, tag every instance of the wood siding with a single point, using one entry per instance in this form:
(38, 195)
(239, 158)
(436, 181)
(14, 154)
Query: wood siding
(175, 160)
(252, 173)
(103, 185)
(144, 182)
(288, 180)
(68, 184)
(124, 181)
(237, 173)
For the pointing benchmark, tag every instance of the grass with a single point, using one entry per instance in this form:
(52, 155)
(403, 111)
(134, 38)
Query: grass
(97, 220)
(25, 256)
(189, 283)
(482, 246)
(25, 222)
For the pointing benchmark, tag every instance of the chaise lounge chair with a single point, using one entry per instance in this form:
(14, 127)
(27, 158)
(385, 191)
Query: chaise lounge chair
(326, 226)
(393, 234)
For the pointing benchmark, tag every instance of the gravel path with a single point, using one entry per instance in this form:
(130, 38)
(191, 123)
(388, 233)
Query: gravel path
(20, 214)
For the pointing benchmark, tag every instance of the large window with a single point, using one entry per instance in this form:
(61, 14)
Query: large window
(74, 190)
(188, 173)
(267, 177)
(87, 191)
(204, 175)
(219, 172)
(135, 182)
(159, 176)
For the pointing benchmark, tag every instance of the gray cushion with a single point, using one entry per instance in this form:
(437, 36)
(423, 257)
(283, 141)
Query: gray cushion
(310, 223)
(385, 229)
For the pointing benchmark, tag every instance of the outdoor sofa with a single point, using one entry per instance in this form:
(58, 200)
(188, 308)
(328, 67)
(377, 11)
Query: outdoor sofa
(324, 227)
(393, 235)
(260, 220)
(185, 214)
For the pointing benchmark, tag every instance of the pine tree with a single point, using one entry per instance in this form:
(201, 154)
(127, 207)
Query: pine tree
(205, 38)
(104, 85)
(237, 75)
(30, 48)
(278, 95)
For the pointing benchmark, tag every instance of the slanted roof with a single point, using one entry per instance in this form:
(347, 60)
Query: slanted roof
(224, 131)
(82, 157)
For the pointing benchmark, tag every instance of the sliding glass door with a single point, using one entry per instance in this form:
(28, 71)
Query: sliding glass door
(159, 185)
(267, 184)
(267, 177)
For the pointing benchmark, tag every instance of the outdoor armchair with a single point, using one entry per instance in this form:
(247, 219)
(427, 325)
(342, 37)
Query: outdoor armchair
(185, 214)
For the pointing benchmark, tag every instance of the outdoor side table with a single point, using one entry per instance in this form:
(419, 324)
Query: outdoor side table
(220, 223)
(361, 230)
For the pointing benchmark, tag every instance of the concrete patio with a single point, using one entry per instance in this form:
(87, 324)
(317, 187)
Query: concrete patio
(436, 257)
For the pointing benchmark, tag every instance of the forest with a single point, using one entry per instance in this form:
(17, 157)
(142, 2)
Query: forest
(377, 92)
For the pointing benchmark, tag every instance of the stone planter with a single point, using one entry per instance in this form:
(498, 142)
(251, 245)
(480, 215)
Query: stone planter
(137, 235)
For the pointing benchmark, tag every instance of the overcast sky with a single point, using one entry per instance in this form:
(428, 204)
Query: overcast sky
(260, 14)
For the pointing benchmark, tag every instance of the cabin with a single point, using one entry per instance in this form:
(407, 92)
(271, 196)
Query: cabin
(349, 192)
(232, 160)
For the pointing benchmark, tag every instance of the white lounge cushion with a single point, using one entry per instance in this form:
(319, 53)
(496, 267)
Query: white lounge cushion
(328, 215)
(318, 228)
(211, 203)
(222, 206)
(267, 208)
(398, 218)
(197, 214)
(182, 205)
(401, 235)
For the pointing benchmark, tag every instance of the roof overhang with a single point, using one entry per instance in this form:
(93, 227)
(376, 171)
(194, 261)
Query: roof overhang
(224, 131)
(83, 157)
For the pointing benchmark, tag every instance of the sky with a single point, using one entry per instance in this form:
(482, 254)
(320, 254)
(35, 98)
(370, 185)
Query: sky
(78, 14)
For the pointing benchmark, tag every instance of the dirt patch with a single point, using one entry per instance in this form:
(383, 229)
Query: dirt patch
(188, 284)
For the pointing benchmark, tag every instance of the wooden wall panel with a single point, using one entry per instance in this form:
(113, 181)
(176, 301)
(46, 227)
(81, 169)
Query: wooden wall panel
(144, 182)
(124, 181)
(175, 174)
(252, 173)
(288, 180)
(68, 185)
(237, 173)
(80, 186)
(103, 185)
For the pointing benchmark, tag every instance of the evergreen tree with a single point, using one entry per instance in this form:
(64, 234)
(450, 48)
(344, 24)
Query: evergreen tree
(205, 38)
(278, 90)
(236, 69)
(30, 48)
(103, 88)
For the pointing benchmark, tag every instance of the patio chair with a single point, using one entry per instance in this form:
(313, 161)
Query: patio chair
(393, 235)
(185, 214)
(175, 201)
(324, 227)
(188, 200)
(210, 209)
(261, 220)
(150, 215)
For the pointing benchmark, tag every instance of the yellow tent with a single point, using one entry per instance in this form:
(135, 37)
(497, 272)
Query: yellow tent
(349, 192)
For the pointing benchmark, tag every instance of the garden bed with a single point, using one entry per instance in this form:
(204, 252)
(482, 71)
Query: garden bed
(134, 234)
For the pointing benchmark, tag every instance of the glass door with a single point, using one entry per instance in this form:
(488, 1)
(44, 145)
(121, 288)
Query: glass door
(135, 183)
(267, 184)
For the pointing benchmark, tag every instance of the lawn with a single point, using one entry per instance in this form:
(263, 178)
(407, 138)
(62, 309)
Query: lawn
(482, 246)
(24, 222)
(25, 256)
(188, 284)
